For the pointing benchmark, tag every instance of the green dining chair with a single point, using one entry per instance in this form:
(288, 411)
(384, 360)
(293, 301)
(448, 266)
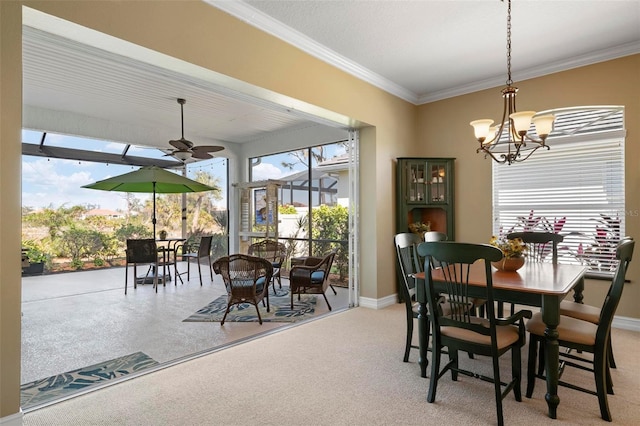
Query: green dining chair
(584, 336)
(458, 330)
(590, 313)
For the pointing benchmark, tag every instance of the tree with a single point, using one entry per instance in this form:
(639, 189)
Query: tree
(55, 219)
(200, 201)
(79, 243)
(332, 223)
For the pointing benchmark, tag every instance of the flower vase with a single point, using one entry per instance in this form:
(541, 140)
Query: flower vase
(509, 264)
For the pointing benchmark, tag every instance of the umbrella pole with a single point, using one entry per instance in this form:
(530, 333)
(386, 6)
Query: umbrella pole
(153, 220)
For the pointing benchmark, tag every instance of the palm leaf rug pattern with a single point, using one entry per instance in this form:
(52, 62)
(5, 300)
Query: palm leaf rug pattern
(62, 385)
(280, 309)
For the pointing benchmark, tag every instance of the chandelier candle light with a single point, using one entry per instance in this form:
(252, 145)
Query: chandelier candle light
(517, 124)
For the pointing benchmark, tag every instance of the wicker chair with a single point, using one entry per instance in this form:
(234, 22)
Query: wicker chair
(274, 252)
(246, 279)
(312, 277)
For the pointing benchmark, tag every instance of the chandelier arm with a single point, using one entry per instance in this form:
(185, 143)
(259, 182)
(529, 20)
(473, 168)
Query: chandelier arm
(534, 140)
(530, 152)
(490, 154)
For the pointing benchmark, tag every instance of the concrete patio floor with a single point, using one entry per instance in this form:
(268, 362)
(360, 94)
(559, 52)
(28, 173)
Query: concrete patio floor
(76, 319)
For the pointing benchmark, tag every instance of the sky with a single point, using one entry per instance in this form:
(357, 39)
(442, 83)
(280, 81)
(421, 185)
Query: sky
(49, 182)
(54, 183)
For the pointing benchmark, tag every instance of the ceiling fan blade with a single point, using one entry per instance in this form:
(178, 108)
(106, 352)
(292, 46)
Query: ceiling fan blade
(201, 155)
(207, 148)
(181, 143)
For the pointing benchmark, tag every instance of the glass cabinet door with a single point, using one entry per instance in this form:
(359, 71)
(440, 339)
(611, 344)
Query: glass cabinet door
(438, 181)
(417, 183)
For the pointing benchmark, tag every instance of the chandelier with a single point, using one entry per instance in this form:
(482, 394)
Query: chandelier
(518, 144)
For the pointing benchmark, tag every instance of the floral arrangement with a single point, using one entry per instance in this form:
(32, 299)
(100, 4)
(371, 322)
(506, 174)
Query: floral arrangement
(510, 248)
(419, 227)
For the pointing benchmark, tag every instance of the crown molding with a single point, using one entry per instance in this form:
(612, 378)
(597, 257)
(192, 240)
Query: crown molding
(620, 51)
(260, 20)
(264, 22)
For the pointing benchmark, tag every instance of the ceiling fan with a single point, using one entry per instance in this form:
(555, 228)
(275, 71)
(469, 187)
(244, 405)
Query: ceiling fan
(185, 149)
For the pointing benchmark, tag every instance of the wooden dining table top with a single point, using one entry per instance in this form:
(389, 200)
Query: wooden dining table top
(539, 278)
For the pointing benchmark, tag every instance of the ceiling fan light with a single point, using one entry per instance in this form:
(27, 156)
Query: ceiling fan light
(182, 155)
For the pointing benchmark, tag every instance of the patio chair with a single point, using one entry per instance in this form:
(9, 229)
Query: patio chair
(246, 279)
(201, 251)
(312, 277)
(143, 252)
(273, 251)
(458, 330)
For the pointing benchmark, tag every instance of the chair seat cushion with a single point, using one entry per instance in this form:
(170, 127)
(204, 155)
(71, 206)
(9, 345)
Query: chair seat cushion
(580, 311)
(569, 329)
(260, 284)
(446, 308)
(249, 282)
(506, 334)
(317, 277)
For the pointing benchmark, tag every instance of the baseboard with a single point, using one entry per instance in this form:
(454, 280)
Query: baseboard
(12, 420)
(367, 302)
(624, 323)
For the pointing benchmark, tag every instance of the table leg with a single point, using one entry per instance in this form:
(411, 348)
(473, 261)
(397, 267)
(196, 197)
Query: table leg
(577, 291)
(551, 318)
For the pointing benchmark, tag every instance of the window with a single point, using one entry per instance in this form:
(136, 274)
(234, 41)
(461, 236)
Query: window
(575, 189)
(314, 200)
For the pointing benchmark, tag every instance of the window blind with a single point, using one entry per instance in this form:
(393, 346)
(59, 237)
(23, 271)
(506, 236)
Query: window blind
(575, 189)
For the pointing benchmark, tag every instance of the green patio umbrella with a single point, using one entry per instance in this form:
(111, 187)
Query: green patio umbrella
(151, 180)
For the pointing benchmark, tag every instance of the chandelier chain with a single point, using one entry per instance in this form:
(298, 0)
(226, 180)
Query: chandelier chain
(509, 80)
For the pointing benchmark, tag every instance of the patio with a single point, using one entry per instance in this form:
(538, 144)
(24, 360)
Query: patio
(77, 319)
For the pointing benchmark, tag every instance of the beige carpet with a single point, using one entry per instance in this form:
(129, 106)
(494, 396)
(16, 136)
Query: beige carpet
(344, 369)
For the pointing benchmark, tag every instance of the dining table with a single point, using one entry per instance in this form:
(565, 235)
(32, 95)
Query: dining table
(168, 248)
(543, 285)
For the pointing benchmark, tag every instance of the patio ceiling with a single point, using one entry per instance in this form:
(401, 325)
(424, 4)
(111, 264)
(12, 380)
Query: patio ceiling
(76, 84)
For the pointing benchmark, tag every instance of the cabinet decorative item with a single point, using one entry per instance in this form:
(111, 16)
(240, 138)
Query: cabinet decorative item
(425, 196)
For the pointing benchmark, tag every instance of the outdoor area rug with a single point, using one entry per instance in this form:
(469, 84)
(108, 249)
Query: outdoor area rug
(62, 385)
(280, 309)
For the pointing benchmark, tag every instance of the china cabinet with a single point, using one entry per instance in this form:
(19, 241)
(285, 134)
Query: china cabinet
(425, 194)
